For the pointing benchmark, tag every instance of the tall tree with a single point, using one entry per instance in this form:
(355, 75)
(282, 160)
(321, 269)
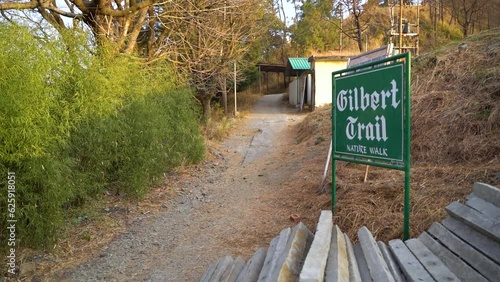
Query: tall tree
(204, 38)
(357, 22)
(201, 37)
(466, 11)
(314, 29)
(117, 21)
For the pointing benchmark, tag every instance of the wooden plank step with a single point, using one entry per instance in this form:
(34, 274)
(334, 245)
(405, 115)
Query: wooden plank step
(251, 270)
(431, 262)
(354, 275)
(475, 219)
(480, 242)
(220, 268)
(379, 270)
(487, 192)
(232, 271)
(314, 266)
(364, 272)
(391, 262)
(474, 258)
(456, 265)
(274, 252)
(488, 209)
(409, 264)
(337, 267)
(290, 262)
(209, 272)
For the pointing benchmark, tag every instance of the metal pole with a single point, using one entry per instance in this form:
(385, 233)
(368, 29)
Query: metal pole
(235, 108)
(407, 159)
(341, 22)
(400, 29)
(334, 184)
(418, 27)
(334, 162)
(325, 171)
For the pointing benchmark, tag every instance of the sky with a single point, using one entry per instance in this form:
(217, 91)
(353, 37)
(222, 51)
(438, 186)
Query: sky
(289, 12)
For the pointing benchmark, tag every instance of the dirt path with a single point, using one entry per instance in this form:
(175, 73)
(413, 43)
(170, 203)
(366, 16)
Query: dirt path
(230, 206)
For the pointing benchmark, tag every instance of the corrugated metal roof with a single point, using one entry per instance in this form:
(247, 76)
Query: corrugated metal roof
(299, 63)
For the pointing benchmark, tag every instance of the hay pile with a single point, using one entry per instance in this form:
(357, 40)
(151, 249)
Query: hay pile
(455, 142)
(456, 102)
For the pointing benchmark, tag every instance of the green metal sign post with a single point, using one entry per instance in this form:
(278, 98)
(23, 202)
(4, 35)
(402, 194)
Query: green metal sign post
(371, 119)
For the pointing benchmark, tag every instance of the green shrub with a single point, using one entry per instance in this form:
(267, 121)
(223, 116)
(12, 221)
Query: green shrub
(146, 138)
(73, 123)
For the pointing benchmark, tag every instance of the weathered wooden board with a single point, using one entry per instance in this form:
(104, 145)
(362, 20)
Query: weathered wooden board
(411, 267)
(251, 270)
(391, 262)
(364, 272)
(485, 245)
(475, 219)
(487, 192)
(315, 263)
(454, 263)
(354, 275)
(374, 259)
(431, 262)
(488, 209)
(337, 268)
(470, 255)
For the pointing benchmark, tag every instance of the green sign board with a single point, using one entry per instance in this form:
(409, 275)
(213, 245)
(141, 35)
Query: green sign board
(369, 114)
(371, 119)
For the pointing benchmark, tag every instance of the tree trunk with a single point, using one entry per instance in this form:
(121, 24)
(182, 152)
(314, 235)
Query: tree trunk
(206, 108)
(224, 95)
(465, 29)
(359, 36)
(357, 14)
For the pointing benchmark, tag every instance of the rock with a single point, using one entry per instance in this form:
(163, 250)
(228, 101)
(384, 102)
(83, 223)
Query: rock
(27, 269)
(492, 49)
(295, 217)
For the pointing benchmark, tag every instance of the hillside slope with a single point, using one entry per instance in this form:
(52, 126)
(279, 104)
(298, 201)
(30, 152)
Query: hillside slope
(456, 102)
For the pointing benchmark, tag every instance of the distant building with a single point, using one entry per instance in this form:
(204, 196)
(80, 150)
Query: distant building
(322, 68)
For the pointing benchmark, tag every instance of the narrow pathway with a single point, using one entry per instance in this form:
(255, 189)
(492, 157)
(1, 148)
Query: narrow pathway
(220, 209)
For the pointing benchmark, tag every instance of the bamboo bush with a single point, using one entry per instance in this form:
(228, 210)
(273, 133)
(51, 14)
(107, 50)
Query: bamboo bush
(75, 121)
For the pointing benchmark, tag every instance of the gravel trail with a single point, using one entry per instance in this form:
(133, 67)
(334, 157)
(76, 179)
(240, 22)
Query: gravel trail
(221, 210)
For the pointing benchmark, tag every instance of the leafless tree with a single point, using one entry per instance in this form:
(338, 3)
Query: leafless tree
(358, 22)
(118, 21)
(202, 38)
(466, 12)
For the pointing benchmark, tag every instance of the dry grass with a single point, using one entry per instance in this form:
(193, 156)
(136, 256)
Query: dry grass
(245, 101)
(456, 102)
(219, 125)
(455, 142)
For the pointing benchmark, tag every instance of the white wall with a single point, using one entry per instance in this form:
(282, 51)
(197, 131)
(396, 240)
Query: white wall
(323, 80)
(293, 97)
(309, 89)
(292, 92)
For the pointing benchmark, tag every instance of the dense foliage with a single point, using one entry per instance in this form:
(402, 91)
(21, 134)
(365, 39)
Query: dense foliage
(75, 121)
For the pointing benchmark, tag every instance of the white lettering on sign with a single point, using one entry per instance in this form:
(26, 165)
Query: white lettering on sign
(363, 149)
(356, 148)
(356, 99)
(370, 131)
